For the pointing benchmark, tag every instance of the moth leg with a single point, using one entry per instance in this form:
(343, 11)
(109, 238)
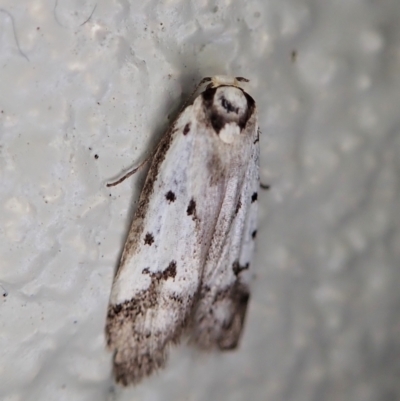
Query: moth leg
(131, 172)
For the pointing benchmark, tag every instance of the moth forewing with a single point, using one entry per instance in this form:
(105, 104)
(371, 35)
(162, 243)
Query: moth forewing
(186, 259)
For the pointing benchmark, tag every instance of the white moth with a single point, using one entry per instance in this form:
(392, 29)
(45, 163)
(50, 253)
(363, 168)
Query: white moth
(185, 264)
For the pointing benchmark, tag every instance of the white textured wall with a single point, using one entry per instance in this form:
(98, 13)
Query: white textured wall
(80, 102)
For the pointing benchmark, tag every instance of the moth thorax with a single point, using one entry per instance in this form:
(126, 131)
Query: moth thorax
(230, 104)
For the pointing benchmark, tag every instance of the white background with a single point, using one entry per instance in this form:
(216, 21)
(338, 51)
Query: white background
(83, 99)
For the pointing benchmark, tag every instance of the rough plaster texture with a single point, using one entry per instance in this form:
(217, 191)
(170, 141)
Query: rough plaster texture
(86, 90)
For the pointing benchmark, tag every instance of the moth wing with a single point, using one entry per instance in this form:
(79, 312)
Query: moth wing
(152, 291)
(221, 308)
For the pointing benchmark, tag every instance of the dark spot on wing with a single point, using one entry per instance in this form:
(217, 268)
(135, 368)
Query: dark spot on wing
(186, 129)
(148, 239)
(191, 210)
(254, 197)
(238, 206)
(170, 271)
(170, 196)
(254, 234)
(237, 268)
(117, 308)
(258, 136)
(176, 298)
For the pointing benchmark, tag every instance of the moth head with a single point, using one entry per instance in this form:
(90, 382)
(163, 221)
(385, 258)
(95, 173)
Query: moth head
(219, 80)
(228, 107)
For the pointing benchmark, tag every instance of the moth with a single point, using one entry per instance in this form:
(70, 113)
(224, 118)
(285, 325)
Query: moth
(185, 265)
